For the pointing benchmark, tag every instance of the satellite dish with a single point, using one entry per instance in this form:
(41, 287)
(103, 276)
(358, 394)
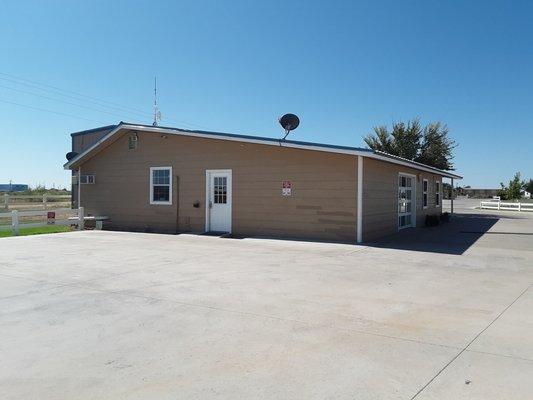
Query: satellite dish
(70, 155)
(289, 122)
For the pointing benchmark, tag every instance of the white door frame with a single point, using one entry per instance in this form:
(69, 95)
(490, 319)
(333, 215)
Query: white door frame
(229, 195)
(413, 200)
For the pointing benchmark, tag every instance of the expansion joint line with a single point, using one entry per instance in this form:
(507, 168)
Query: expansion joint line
(470, 343)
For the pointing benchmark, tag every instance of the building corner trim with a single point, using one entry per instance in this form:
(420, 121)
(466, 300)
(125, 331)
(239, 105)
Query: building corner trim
(359, 199)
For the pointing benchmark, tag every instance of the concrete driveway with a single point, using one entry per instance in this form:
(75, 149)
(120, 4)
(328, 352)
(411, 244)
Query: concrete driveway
(110, 315)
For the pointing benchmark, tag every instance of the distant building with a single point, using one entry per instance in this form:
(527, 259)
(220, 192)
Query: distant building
(527, 195)
(13, 187)
(477, 192)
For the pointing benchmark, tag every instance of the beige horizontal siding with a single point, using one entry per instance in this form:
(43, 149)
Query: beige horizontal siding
(322, 205)
(380, 197)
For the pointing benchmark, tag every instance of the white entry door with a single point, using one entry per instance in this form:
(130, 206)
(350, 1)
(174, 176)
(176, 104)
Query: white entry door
(406, 201)
(218, 201)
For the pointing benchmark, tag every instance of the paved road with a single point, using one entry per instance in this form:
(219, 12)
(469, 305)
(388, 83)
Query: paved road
(109, 315)
(469, 206)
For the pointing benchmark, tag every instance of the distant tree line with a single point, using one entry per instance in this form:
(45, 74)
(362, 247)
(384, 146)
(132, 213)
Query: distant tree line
(41, 189)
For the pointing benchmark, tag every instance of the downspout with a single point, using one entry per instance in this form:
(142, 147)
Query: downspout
(79, 186)
(359, 199)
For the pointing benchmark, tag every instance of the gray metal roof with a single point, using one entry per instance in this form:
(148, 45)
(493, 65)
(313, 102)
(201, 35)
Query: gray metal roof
(259, 139)
(250, 137)
(102, 128)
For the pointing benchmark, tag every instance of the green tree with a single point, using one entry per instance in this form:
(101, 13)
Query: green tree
(502, 193)
(430, 145)
(406, 139)
(437, 147)
(381, 140)
(514, 190)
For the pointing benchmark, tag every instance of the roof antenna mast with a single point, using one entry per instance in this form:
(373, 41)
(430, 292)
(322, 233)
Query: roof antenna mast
(157, 113)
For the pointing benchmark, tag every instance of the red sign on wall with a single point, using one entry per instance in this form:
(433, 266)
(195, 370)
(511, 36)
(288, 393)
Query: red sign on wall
(286, 188)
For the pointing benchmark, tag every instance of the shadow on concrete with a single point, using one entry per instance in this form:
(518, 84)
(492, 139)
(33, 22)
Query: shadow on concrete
(454, 237)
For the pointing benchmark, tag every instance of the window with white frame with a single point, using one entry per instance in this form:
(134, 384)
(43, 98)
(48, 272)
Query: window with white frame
(437, 194)
(425, 193)
(161, 185)
(87, 179)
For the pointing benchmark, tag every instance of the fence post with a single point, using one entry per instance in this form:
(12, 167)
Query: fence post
(498, 205)
(81, 219)
(6, 201)
(15, 222)
(519, 206)
(44, 201)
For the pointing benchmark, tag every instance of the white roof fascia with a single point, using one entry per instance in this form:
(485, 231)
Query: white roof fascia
(279, 143)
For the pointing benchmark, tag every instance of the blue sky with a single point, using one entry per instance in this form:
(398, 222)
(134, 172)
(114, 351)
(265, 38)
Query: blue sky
(235, 66)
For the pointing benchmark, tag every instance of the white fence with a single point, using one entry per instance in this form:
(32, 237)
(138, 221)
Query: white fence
(26, 219)
(499, 205)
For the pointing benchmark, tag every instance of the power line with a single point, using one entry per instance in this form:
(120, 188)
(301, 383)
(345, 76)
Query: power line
(50, 111)
(69, 93)
(62, 101)
(64, 95)
(85, 98)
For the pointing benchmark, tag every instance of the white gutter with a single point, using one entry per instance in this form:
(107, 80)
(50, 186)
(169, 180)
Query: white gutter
(279, 143)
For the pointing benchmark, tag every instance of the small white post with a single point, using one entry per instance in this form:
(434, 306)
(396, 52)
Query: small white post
(81, 219)
(15, 222)
(44, 201)
(519, 206)
(6, 201)
(498, 205)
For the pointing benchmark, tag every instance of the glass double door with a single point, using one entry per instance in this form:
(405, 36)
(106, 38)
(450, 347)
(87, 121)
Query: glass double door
(406, 195)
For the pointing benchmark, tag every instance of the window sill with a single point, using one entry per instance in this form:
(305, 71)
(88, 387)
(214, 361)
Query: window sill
(160, 203)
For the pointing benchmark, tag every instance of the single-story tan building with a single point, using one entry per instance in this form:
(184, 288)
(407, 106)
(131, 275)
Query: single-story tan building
(158, 179)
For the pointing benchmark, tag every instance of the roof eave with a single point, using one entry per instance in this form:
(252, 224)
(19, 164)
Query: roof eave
(230, 137)
(87, 131)
(268, 141)
(414, 164)
(80, 156)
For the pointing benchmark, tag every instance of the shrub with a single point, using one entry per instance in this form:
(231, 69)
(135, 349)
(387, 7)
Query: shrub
(432, 220)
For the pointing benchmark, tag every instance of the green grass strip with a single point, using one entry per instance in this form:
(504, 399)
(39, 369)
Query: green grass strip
(37, 230)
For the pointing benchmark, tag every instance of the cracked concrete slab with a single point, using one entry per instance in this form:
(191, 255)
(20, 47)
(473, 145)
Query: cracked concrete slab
(125, 315)
(477, 376)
